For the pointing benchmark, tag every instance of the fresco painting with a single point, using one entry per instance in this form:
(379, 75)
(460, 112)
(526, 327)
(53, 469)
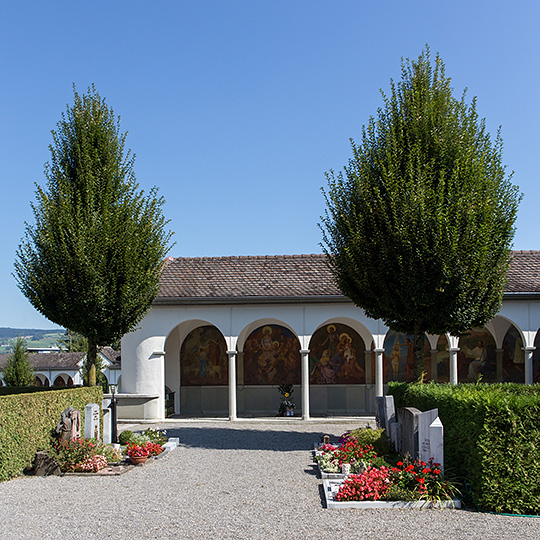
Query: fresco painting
(272, 356)
(398, 361)
(513, 357)
(203, 358)
(336, 356)
(476, 356)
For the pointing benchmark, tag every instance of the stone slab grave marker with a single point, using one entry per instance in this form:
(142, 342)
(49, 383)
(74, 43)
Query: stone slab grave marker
(408, 431)
(431, 437)
(91, 421)
(385, 412)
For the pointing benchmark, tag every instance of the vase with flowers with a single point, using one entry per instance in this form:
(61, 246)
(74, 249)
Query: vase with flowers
(286, 407)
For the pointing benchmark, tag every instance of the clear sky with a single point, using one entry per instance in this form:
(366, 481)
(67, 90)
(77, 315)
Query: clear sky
(236, 108)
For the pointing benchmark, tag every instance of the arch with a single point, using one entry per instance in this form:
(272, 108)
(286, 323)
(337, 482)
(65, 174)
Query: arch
(63, 379)
(337, 355)
(477, 355)
(511, 357)
(399, 363)
(41, 380)
(271, 356)
(260, 323)
(356, 325)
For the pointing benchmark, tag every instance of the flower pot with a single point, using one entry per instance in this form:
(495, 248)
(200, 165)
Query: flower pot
(138, 460)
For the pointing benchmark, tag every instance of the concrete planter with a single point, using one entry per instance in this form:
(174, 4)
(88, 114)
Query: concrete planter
(331, 487)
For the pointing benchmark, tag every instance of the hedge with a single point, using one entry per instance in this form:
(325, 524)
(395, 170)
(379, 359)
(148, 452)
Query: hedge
(491, 439)
(27, 421)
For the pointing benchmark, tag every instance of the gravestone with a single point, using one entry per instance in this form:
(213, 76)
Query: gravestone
(45, 465)
(385, 412)
(91, 421)
(424, 421)
(107, 425)
(431, 437)
(69, 427)
(394, 435)
(408, 431)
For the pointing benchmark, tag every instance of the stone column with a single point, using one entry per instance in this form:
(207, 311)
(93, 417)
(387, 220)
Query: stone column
(453, 364)
(305, 383)
(528, 354)
(379, 373)
(232, 384)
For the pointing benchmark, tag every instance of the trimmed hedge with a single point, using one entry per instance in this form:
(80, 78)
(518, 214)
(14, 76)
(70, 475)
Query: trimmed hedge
(28, 420)
(491, 439)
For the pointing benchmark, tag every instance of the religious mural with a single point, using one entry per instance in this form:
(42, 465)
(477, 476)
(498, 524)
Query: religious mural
(203, 358)
(336, 356)
(476, 356)
(272, 356)
(398, 361)
(513, 357)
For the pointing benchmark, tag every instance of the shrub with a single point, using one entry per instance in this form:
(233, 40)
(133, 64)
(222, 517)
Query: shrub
(377, 438)
(491, 435)
(125, 437)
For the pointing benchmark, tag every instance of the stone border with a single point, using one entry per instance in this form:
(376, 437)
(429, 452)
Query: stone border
(331, 486)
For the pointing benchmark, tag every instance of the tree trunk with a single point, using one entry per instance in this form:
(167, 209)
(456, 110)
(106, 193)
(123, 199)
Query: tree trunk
(92, 355)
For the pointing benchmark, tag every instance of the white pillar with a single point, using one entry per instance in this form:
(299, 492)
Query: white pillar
(379, 373)
(232, 384)
(528, 364)
(305, 383)
(453, 364)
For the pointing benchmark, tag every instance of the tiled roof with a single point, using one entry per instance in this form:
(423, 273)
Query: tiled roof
(286, 277)
(63, 360)
(244, 278)
(524, 273)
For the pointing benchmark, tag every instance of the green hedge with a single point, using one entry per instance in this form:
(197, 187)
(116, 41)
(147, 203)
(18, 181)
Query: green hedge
(27, 421)
(491, 439)
(9, 390)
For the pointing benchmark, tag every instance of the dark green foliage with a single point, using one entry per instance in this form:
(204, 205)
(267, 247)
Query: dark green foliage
(18, 371)
(125, 436)
(491, 437)
(92, 261)
(72, 342)
(28, 420)
(419, 225)
(376, 437)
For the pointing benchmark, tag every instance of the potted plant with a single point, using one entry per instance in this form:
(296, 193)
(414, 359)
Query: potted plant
(286, 408)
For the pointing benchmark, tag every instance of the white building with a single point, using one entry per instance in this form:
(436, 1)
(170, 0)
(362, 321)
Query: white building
(224, 332)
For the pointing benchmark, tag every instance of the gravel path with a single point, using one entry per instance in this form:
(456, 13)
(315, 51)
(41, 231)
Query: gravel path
(243, 480)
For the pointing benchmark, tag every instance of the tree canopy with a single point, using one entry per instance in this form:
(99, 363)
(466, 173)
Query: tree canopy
(92, 260)
(419, 224)
(18, 371)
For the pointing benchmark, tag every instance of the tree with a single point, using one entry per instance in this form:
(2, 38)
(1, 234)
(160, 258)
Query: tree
(18, 371)
(419, 224)
(72, 342)
(92, 261)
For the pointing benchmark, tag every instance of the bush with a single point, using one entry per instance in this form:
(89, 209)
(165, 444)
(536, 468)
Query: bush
(375, 437)
(491, 435)
(125, 437)
(28, 420)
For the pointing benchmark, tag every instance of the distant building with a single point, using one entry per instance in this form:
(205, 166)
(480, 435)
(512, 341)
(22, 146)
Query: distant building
(65, 368)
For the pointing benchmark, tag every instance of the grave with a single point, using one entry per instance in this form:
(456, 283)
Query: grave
(91, 421)
(408, 432)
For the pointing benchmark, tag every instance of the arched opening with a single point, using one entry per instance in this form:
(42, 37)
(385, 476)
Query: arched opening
(399, 363)
(59, 381)
(513, 357)
(41, 381)
(442, 360)
(477, 357)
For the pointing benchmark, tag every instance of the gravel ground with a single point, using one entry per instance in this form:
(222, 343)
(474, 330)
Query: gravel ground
(242, 480)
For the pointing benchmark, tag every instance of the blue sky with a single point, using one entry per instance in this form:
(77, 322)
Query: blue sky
(235, 109)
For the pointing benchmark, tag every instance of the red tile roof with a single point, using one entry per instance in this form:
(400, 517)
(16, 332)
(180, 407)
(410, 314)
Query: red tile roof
(284, 278)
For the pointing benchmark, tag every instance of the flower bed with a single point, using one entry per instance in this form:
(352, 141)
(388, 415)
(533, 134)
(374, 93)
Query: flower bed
(380, 481)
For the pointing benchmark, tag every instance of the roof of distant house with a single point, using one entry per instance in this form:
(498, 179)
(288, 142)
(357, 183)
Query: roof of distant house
(287, 278)
(63, 360)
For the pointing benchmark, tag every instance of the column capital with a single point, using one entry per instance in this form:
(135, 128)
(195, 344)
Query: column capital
(377, 350)
(232, 353)
(528, 349)
(304, 351)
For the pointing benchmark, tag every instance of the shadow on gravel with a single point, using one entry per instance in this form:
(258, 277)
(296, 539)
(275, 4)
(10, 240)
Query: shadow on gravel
(245, 439)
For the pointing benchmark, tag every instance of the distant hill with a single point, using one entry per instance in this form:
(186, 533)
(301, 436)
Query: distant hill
(34, 337)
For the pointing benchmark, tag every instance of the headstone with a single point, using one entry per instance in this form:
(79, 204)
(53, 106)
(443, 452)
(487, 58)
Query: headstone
(436, 439)
(394, 435)
(425, 419)
(45, 465)
(91, 421)
(385, 412)
(107, 425)
(408, 431)
(69, 427)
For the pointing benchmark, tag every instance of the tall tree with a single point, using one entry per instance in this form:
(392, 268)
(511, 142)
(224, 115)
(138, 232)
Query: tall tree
(92, 261)
(18, 371)
(72, 342)
(419, 224)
